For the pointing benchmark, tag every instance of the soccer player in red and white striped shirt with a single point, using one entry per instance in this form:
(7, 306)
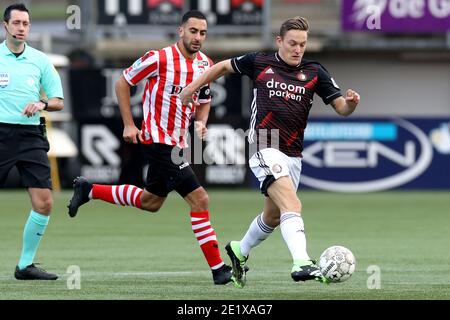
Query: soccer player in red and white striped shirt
(164, 133)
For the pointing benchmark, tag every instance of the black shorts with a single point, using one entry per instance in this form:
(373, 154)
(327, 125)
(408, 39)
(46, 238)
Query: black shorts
(26, 147)
(164, 175)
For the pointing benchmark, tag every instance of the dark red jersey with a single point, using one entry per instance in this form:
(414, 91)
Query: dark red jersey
(282, 98)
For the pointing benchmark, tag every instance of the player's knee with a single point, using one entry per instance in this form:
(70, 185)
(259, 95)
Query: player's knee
(44, 206)
(201, 202)
(151, 206)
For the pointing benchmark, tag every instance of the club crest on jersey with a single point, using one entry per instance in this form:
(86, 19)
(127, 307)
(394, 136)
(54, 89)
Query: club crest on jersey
(276, 168)
(301, 76)
(202, 63)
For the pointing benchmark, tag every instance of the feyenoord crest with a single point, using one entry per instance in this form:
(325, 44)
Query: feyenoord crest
(301, 76)
(276, 168)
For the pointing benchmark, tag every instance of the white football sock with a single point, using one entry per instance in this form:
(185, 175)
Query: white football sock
(293, 231)
(257, 232)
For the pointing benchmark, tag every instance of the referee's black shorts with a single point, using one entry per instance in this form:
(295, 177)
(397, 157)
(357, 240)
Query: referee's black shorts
(26, 147)
(164, 175)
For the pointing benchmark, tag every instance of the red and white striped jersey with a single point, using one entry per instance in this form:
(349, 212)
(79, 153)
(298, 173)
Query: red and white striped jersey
(167, 72)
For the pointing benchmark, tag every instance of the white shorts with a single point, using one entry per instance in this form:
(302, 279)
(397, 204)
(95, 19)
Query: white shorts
(273, 162)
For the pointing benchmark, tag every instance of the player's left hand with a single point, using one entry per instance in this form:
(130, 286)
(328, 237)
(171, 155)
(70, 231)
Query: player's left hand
(352, 97)
(32, 108)
(132, 134)
(200, 129)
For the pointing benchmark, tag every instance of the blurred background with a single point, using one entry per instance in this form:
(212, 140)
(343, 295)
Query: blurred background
(396, 54)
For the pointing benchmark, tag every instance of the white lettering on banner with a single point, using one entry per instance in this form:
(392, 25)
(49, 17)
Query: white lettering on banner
(99, 145)
(343, 154)
(408, 8)
(111, 76)
(225, 174)
(348, 154)
(101, 174)
(415, 9)
(112, 7)
(222, 6)
(224, 155)
(363, 10)
(224, 145)
(440, 8)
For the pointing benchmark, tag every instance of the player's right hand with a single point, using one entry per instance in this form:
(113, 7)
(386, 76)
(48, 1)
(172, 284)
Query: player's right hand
(187, 96)
(132, 134)
(200, 129)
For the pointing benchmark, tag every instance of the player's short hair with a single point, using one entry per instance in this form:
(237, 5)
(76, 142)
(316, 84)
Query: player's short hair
(297, 23)
(192, 14)
(17, 6)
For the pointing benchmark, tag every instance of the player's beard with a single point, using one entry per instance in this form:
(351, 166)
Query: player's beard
(189, 47)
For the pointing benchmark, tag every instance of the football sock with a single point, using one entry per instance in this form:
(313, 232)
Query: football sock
(257, 232)
(293, 231)
(206, 237)
(32, 234)
(124, 195)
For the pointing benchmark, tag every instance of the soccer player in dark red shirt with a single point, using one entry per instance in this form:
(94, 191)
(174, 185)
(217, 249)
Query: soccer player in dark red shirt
(284, 85)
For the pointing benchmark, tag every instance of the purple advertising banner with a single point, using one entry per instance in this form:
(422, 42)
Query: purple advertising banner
(396, 15)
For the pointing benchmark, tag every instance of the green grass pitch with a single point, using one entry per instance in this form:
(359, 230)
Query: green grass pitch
(124, 253)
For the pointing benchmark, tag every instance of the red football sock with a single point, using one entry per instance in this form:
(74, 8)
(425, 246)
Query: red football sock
(125, 195)
(206, 237)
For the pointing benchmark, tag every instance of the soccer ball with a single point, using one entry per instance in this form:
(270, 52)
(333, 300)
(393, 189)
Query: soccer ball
(337, 263)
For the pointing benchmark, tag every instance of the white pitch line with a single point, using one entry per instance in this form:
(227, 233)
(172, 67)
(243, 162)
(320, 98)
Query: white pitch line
(161, 273)
(123, 274)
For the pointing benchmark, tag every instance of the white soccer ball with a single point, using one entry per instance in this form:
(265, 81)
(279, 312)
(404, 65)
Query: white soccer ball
(337, 263)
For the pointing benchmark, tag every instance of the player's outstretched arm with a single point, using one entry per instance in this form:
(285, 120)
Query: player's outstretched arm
(346, 106)
(215, 72)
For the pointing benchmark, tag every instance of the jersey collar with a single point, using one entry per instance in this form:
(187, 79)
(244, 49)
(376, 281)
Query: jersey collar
(4, 50)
